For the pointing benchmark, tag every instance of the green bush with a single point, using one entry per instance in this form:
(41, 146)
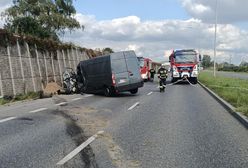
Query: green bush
(234, 68)
(3, 101)
(20, 97)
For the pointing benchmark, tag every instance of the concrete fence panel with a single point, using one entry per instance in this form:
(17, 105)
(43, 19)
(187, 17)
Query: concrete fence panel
(25, 68)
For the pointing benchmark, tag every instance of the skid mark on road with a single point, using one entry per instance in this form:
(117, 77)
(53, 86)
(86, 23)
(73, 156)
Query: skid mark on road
(78, 136)
(79, 148)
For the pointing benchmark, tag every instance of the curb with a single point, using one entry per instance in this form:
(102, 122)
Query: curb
(240, 117)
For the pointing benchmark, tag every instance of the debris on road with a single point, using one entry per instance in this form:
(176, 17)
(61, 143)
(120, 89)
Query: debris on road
(52, 88)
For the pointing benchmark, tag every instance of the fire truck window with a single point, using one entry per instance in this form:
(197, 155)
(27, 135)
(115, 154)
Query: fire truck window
(141, 62)
(185, 57)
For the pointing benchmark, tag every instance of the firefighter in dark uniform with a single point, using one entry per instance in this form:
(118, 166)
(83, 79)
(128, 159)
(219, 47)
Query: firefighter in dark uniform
(152, 72)
(162, 75)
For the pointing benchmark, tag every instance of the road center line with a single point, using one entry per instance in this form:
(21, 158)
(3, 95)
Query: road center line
(88, 95)
(79, 148)
(130, 108)
(60, 104)
(149, 93)
(7, 119)
(76, 99)
(38, 110)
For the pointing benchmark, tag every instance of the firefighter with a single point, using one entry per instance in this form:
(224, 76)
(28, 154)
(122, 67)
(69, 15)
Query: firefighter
(162, 75)
(152, 72)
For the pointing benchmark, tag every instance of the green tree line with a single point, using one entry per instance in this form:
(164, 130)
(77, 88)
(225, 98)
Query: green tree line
(207, 63)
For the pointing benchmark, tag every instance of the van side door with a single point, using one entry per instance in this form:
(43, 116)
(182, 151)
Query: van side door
(119, 69)
(132, 67)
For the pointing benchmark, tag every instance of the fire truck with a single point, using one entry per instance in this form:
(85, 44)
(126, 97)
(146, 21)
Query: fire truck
(184, 64)
(145, 65)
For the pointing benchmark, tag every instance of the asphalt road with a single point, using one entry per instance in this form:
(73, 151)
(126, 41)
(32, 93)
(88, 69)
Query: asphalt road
(39, 138)
(182, 127)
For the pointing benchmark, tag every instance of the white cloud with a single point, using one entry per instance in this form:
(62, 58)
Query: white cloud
(154, 38)
(229, 11)
(4, 4)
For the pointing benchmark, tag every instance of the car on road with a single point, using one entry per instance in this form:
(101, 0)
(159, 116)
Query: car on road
(110, 74)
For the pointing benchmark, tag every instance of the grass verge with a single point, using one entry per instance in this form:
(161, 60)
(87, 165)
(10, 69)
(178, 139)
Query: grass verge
(19, 97)
(234, 91)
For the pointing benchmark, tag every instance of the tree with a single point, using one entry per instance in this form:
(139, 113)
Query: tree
(41, 18)
(243, 63)
(206, 61)
(107, 50)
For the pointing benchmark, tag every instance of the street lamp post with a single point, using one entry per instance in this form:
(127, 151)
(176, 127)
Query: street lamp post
(215, 32)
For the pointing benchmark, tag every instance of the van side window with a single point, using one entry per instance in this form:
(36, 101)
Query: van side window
(132, 64)
(119, 65)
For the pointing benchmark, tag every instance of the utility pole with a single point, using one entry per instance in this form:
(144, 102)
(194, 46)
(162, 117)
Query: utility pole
(215, 33)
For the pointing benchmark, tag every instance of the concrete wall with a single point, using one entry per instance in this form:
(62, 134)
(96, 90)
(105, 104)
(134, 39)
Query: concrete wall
(24, 68)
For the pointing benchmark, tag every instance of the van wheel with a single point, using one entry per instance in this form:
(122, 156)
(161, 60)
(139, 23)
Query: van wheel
(134, 91)
(107, 92)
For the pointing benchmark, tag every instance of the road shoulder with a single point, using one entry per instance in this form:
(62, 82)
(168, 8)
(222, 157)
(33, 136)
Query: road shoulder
(240, 117)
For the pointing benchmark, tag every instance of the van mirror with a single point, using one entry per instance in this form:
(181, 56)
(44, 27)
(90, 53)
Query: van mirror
(200, 58)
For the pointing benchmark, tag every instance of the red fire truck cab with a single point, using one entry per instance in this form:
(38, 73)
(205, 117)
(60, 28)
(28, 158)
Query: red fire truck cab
(184, 64)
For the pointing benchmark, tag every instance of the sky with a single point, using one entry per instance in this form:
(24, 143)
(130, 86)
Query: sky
(154, 28)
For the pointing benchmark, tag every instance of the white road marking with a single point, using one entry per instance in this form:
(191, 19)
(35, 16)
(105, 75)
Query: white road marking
(130, 108)
(60, 104)
(76, 98)
(7, 119)
(149, 93)
(88, 95)
(38, 110)
(79, 148)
